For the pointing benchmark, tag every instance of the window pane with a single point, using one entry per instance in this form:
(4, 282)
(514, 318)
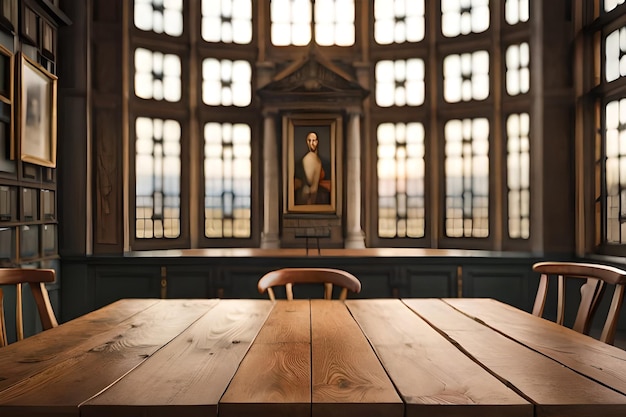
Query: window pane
(228, 21)
(291, 22)
(615, 46)
(400, 83)
(227, 180)
(518, 175)
(400, 170)
(159, 16)
(615, 171)
(461, 17)
(157, 178)
(467, 178)
(398, 21)
(157, 75)
(334, 22)
(611, 4)
(466, 76)
(516, 11)
(517, 69)
(226, 82)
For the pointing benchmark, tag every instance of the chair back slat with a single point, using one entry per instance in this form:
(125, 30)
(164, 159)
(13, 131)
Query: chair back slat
(596, 276)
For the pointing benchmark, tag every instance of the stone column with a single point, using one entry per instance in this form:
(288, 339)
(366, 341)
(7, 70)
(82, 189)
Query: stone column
(269, 237)
(355, 237)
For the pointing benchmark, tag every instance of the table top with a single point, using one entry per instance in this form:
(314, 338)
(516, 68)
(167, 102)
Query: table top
(374, 357)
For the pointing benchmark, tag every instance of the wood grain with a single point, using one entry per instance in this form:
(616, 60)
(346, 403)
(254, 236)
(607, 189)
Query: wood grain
(555, 389)
(348, 380)
(81, 372)
(433, 377)
(600, 361)
(274, 378)
(192, 372)
(43, 350)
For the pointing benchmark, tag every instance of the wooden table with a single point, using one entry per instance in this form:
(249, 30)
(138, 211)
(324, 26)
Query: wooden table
(378, 357)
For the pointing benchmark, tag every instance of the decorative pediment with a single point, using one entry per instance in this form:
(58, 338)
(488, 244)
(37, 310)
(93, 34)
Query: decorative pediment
(310, 78)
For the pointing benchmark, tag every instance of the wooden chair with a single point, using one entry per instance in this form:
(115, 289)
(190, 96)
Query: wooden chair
(596, 276)
(36, 279)
(326, 276)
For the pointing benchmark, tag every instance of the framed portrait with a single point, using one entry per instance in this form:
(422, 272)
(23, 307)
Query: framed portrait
(37, 114)
(312, 162)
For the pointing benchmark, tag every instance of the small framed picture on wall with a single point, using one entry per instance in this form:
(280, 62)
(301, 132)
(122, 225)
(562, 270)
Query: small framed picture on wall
(37, 113)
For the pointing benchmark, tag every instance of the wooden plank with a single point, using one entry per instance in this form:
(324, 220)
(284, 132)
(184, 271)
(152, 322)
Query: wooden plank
(597, 360)
(274, 379)
(554, 389)
(84, 371)
(192, 372)
(433, 377)
(22, 360)
(348, 380)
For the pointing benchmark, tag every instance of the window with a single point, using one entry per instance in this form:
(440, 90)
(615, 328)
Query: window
(435, 124)
(400, 83)
(186, 135)
(449, 115)
(291, 22)
(399, 21)
(609, 95)
(401, 171)
(467, 177)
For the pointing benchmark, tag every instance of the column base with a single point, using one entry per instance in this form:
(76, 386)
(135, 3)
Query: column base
(270, 241)
(355, 240)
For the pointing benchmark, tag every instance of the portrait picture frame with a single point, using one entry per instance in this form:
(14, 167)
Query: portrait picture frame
(37, 113)
(328, 128)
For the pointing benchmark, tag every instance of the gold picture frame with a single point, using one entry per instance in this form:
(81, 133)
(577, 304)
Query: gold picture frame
(37, 113)
(328, 129)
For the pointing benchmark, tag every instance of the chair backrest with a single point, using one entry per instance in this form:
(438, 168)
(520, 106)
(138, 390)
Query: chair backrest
(596, 277)
(326, 276)
(36, 279)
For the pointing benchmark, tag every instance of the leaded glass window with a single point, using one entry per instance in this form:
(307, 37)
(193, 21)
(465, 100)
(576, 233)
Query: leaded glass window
(466, 76)
(401, 170)
(400, 83)
(157, 178)
(226, 82)
(467, 178)
(615, 47)
(399, 21)
(461, 17)
(333, 22)
(159, 16)
(227, 21)
(516, 11)
(291, 22)
(518, 69)
(518, 175)
(157, 75)
(615, 171)
(227, 172)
